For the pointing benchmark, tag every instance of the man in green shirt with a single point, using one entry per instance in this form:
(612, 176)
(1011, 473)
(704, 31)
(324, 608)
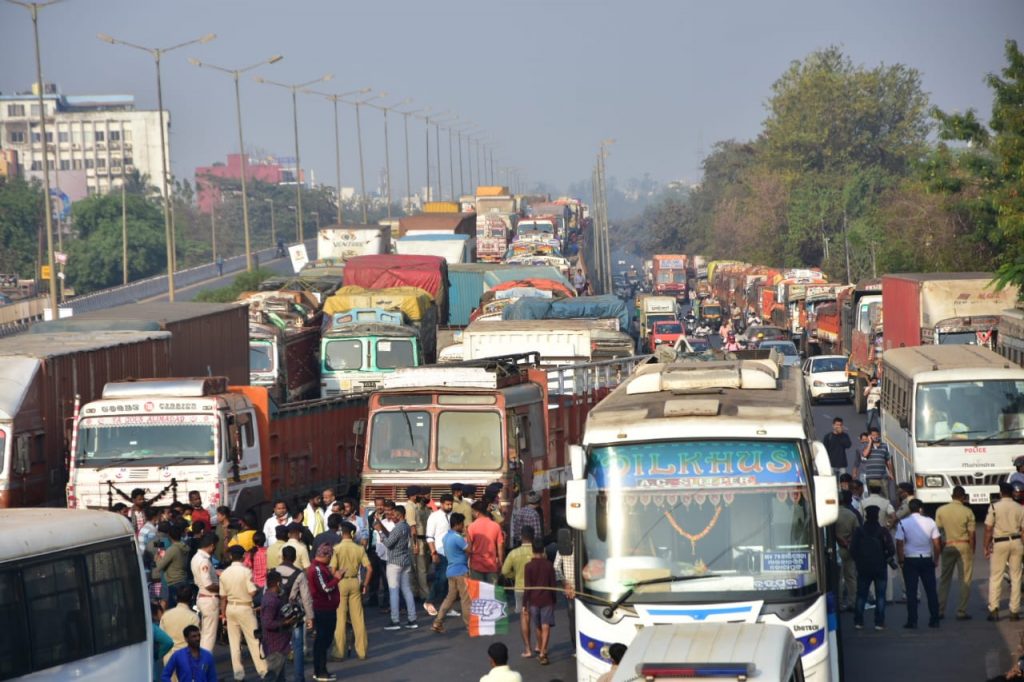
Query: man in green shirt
(515, 567)
(173, 564)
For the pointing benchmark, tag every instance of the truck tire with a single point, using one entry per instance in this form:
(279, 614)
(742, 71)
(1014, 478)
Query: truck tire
(860, 403)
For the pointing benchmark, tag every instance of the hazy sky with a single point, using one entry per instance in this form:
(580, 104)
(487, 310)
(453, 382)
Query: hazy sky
(548, 79)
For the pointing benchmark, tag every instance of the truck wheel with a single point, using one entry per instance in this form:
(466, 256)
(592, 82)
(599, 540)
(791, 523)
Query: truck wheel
(859, 401)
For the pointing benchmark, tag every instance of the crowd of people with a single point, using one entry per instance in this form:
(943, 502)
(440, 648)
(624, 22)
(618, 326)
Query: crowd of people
(297, 584)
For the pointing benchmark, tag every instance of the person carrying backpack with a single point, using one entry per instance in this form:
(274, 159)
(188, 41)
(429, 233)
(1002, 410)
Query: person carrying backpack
(295, 590)
(873, 550)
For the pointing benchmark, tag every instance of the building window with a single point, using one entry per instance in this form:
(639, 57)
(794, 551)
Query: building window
(115, 162)
(36, 137)
(65, 136)
(99, 136)
(35, 110)
(16, 137)
(101, 163)
(128, 135)
(37, 166)
(129, 161)
(89, 164)
(115, 135)
(65, 164)
(15, 109)
(76, 164)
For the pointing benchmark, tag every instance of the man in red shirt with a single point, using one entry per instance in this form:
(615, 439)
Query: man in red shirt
(197, 513)
(539, 600)
(487, 543)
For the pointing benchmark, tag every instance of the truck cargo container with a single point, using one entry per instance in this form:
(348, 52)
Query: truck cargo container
(40, 375)
(339, 243)
(454, 248)
(1010, 335)
(210, 339)
(943, 308)
(429, 273)
(442, 207)
(559, 342)
(653, 308)
(670, 275)
(233, 445)
(438, 223)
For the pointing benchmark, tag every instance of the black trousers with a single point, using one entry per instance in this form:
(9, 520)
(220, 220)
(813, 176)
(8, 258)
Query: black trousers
(324, 623)
(920, 569)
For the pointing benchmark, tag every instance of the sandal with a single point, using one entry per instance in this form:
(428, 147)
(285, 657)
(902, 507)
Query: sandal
(430, 608)
(543, 659)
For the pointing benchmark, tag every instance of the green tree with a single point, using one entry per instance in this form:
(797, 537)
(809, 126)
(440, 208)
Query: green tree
(95, 255)
(21, 221)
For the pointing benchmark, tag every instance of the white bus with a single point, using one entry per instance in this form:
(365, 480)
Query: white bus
(698, 496)
(73, 604)
(952, 415)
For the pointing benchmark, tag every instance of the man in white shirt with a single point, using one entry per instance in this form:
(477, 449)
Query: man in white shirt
(280, 517)
(437, 527)
(500, 672)
(313, 515)
(918, 551)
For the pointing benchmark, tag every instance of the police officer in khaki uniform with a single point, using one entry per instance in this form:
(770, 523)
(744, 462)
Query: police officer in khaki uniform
(206, 583)
(847, 522)
(236, 592)
(956, 523)
(348, 557)
(1003, 528)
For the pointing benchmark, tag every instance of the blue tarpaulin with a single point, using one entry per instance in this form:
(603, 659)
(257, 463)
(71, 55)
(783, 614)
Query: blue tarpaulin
(570, 308)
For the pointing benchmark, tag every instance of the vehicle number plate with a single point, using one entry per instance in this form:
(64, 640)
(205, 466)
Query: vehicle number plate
(980, 498)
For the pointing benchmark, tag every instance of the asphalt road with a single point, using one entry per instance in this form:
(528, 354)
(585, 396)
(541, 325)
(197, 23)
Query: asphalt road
(278, 265)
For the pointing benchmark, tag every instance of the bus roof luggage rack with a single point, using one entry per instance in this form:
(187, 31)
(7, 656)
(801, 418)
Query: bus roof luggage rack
(698, 377)
(192, 387)
(493, 372)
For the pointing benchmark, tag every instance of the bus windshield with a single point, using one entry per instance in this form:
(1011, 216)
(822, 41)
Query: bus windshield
(400, 440)
(130, 439)
(739, 510)
(989, 410)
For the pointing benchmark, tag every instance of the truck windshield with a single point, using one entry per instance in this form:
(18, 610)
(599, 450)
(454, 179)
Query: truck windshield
(109, 441)
(711, 311)
(468, 440)
(959, 339)
(395, 353)
(738, 509)
(261, 356)
(668, 328)
(868, 311)
(400, 440)
(343, 354)
(990, 410)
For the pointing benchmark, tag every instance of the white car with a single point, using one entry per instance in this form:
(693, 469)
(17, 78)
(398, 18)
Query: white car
(825, 376)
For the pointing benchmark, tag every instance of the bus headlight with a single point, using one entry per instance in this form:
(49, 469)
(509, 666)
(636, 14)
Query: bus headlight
(929, 481)
(818, 384)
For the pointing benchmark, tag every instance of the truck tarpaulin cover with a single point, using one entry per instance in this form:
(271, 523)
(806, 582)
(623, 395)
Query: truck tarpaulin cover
(594, 307)
(412, 301)
(535, 283)
(386, 271)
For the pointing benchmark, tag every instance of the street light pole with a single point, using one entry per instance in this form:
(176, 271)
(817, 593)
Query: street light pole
(334, 99)
(235, 73)
(157, 54)
(294, 88)
(408, 174)
(359, 143)
(124, 234)
(387, 147)
(33, 8)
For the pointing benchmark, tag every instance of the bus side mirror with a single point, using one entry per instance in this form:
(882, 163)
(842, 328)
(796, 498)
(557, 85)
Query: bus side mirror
(576, 503)
(359, 427)
(577, 459)
(822, 464)
(22, 463)
(826, 500)
(564, 542)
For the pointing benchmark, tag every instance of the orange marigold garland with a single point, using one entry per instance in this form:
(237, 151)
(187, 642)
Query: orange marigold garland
(694, 538)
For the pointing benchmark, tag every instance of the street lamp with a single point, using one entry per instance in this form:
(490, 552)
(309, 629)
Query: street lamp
(429, 118)
(334, 99)
(273, 227)
(33, 8)
(294, 88)
(359, 143)
(463, 131)
(387, 145)
(235, 73)
(157, 54)
(439, 119)
(408, 175)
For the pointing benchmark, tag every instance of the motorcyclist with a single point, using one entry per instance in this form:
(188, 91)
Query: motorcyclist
(703, 329)
(280, 248)
(731, 344)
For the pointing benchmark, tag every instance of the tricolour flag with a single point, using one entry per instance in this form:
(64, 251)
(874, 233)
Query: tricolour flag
(489, 611)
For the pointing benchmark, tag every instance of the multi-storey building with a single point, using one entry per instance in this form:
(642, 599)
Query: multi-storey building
(92, 141)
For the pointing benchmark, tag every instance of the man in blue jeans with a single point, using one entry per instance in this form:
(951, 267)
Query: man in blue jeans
(399, 569)
(872, 550)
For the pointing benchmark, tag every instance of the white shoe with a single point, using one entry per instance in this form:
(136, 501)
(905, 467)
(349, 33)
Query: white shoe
(454, 614)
